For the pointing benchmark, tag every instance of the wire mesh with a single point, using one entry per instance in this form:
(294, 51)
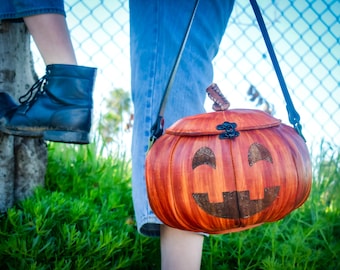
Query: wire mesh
(304, 33)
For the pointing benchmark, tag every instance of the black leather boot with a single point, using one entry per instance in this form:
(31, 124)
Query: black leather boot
(60, 109)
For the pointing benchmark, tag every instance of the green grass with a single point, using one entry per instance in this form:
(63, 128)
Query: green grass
(83, 219)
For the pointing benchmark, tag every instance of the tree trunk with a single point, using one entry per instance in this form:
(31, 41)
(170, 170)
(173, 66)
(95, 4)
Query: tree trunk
(22, 160)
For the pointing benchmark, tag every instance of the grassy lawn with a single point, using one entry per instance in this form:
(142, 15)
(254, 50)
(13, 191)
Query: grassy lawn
(83, 219)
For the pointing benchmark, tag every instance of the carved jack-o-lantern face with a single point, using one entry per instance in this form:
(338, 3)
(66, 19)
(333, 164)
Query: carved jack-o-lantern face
(256, 152)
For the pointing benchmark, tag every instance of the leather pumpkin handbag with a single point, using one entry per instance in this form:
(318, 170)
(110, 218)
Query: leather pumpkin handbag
(228, 170)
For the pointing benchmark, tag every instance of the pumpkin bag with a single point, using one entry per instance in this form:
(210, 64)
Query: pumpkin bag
(228, 170)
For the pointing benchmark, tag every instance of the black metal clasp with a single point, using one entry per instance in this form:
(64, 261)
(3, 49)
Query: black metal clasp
(156, 130)
(230, 130)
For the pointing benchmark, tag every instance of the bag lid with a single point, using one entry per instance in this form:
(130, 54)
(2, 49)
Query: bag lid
(206, 123)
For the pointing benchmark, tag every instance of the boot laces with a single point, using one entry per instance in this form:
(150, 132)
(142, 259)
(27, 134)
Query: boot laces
(36, 90)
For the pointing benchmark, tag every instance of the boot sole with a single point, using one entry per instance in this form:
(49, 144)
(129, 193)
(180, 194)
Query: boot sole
(22, 133)
(76, 137)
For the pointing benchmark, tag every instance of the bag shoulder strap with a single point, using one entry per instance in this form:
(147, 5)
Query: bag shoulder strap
(158, 126)
(294, 117)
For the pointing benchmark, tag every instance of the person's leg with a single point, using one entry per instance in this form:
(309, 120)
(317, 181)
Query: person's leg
(180, 250)
(51, 35)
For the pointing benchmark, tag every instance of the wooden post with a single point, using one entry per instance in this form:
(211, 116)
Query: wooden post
(23, 160)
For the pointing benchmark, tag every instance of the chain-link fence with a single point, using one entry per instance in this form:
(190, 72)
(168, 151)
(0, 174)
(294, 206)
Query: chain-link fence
(305, 36)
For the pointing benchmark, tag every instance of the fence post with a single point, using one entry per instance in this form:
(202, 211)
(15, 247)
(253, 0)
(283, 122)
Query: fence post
(22, 160)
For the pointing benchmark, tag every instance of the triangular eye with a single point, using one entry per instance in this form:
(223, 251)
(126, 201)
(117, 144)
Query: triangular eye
(258, 152)
(204, 155)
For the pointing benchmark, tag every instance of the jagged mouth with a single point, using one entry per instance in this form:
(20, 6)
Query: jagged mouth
(236, 204)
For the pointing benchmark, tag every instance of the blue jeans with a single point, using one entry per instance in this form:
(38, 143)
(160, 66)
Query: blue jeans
(14, 9)
(156, 30)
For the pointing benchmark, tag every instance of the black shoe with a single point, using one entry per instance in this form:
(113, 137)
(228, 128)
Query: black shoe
(60, 109)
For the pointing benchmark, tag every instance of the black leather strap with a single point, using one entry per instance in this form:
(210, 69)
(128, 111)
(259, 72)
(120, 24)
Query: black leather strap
(157, 127)
(294, 117)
